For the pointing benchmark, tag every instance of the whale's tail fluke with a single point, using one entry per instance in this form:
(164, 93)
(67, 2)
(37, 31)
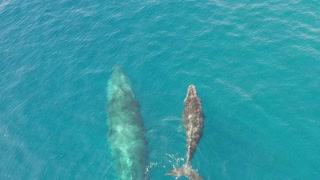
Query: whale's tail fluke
(186, 170)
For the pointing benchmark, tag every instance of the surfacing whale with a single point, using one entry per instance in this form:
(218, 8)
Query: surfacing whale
(193, 123)
(126, 129)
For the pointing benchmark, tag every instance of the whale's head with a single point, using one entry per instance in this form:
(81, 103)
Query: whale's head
(192, 95)
(192, 92)
(119, 85)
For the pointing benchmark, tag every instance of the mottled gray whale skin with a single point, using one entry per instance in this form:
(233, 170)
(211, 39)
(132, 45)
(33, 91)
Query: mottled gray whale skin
(126, 129)
(193, 123)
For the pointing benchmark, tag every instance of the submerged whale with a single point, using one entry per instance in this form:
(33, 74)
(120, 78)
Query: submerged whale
(193, 123)
(126, 129)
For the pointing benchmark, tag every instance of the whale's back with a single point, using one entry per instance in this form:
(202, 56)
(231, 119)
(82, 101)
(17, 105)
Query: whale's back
(126, 129)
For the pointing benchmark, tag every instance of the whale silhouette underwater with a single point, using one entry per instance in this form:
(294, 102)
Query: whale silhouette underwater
(126, 138)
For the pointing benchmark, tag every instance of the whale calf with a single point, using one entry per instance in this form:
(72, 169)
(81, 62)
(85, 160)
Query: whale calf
(126, 137)
(193, 122)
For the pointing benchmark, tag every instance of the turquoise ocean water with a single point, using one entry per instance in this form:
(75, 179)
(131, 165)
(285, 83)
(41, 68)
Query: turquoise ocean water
(255, 64)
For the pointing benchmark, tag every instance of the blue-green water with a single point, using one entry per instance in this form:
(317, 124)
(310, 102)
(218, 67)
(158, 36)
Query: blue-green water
(255, 64)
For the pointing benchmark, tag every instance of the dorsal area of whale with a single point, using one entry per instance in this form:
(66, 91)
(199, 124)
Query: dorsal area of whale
(193, 120)
(126, 136)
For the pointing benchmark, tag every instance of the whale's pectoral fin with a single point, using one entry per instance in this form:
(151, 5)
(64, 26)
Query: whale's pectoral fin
(181, 128)
(187, 171)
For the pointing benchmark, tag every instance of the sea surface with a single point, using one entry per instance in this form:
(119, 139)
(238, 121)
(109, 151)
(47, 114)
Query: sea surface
(255, 64)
